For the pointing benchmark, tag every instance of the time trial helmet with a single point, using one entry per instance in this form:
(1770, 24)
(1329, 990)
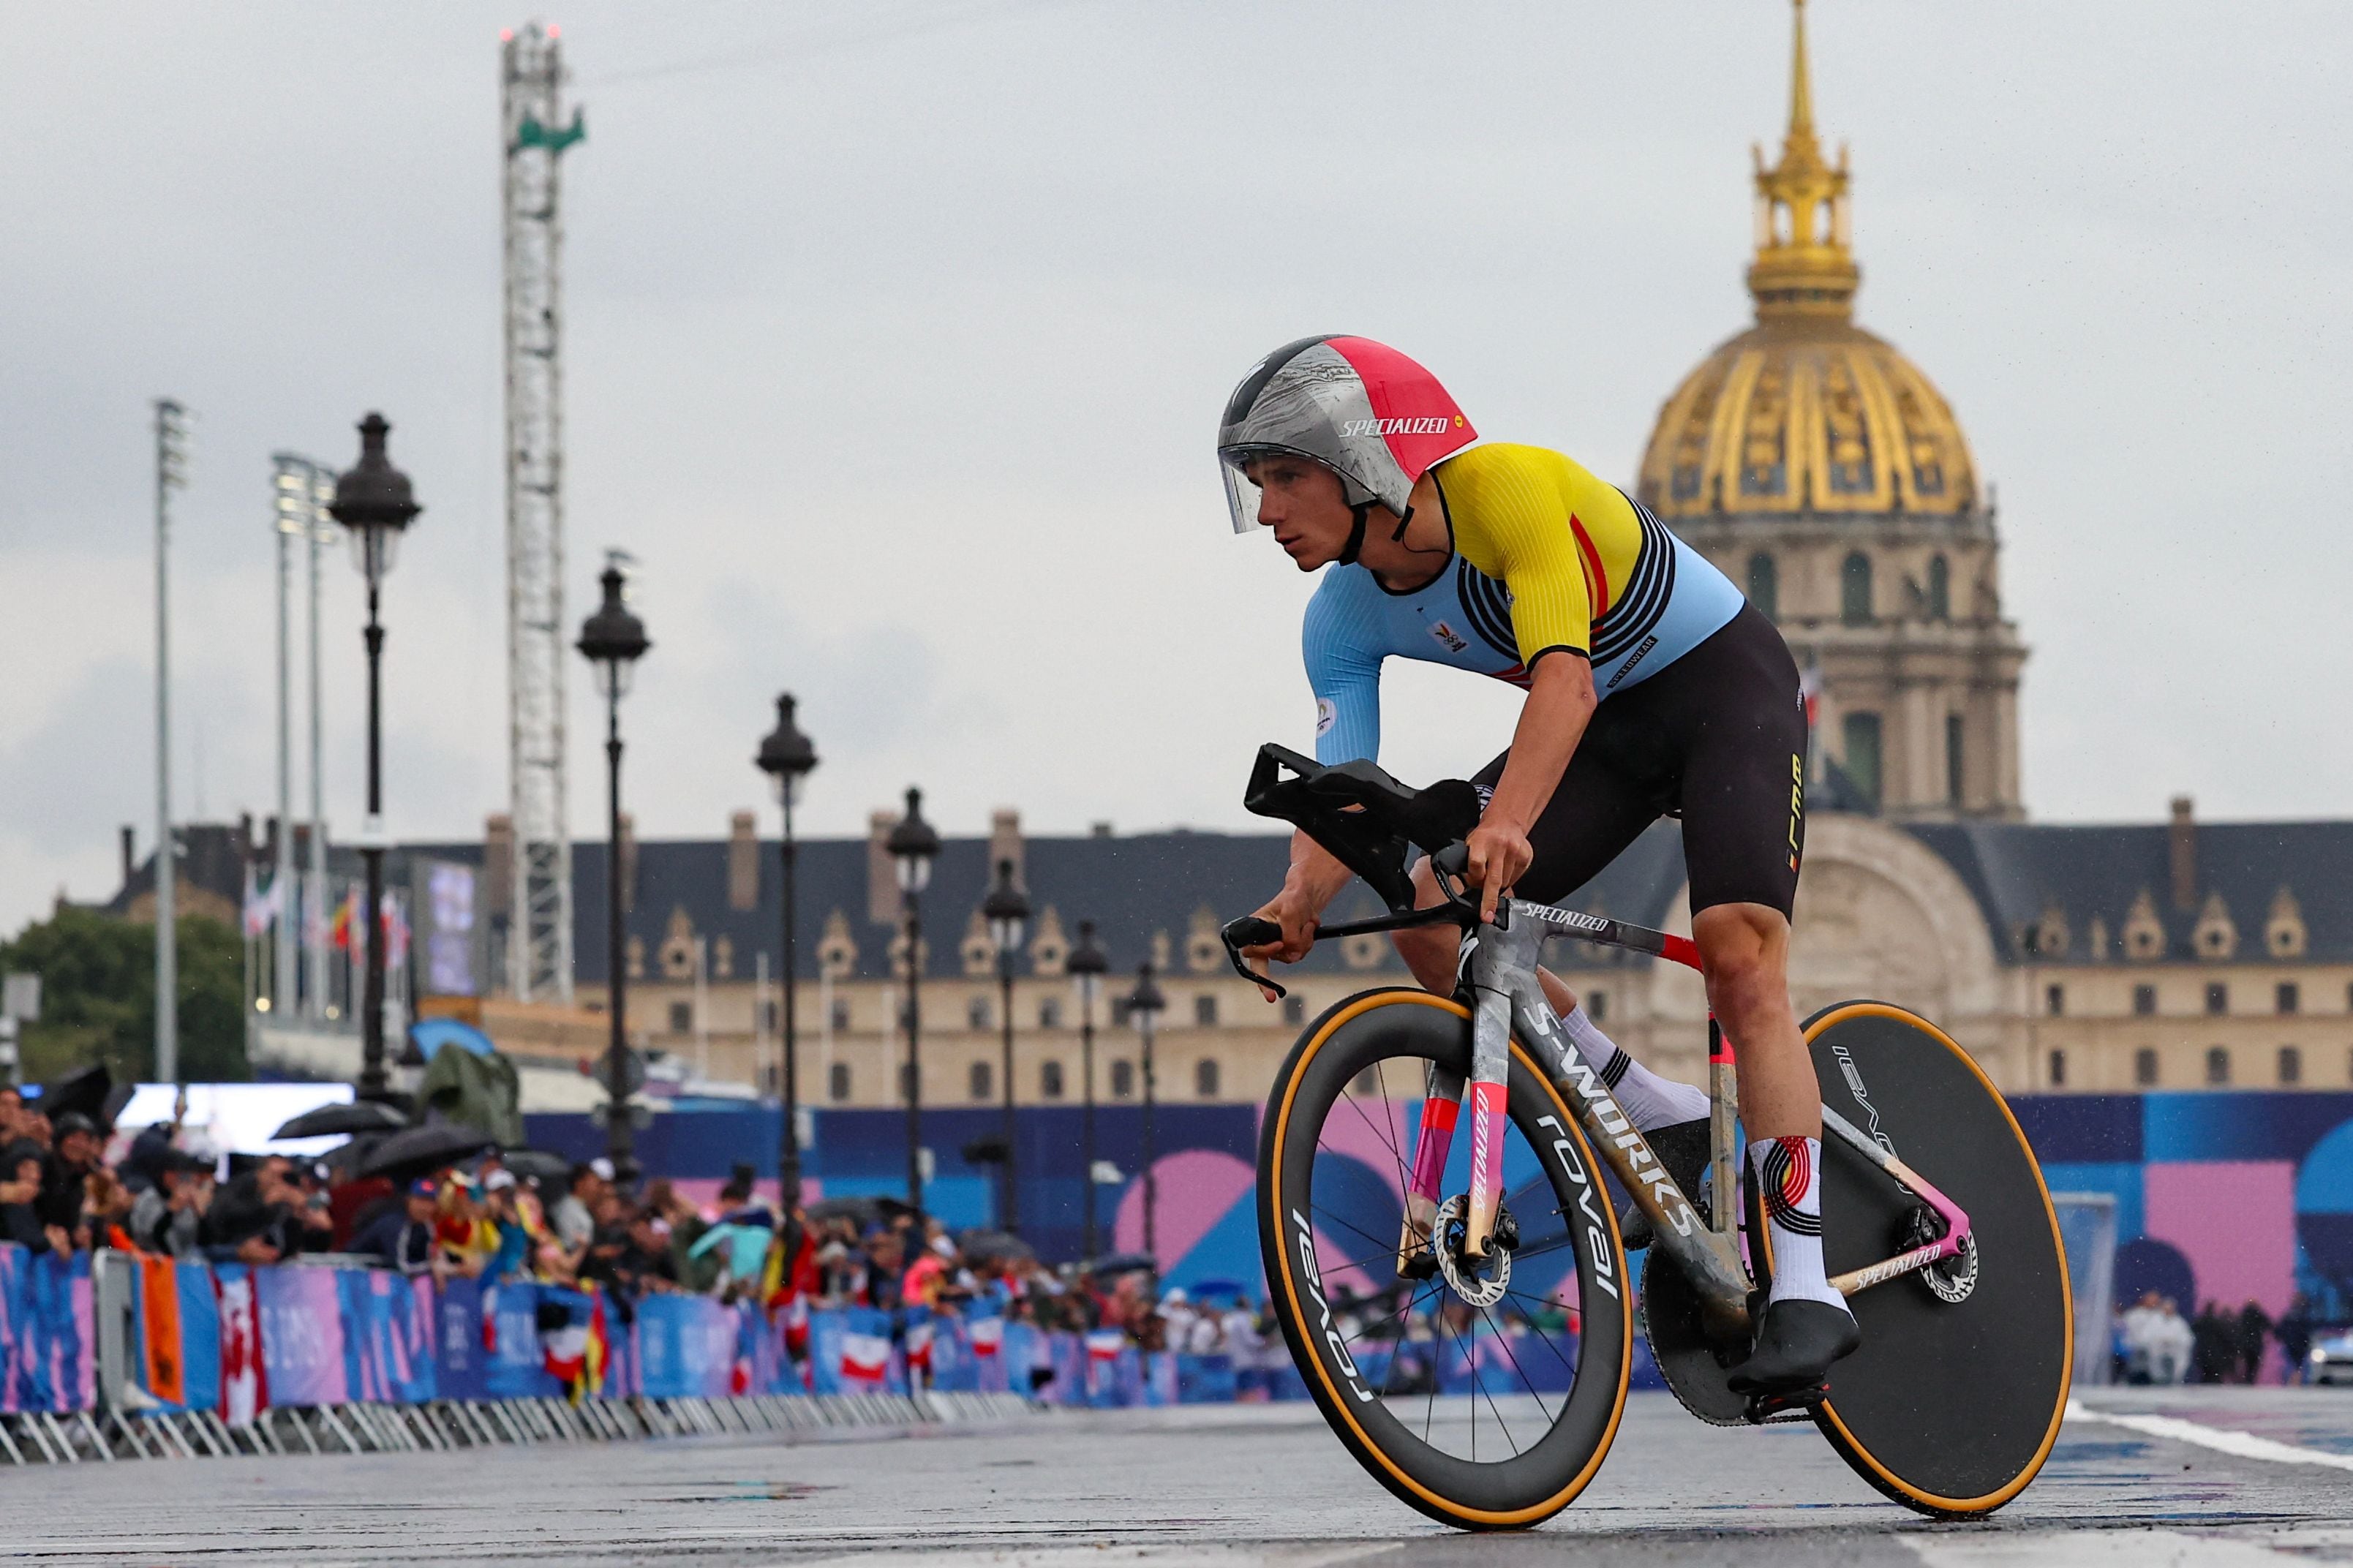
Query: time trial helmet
(1359, 408)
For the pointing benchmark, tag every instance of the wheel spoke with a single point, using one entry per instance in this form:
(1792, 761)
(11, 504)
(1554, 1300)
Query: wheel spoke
(1508, 1355)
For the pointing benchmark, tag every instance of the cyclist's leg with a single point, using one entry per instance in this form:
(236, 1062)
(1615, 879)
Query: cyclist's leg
(1741, 719)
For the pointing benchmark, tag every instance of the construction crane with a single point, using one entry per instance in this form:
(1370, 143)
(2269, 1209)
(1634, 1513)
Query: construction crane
(535, 136)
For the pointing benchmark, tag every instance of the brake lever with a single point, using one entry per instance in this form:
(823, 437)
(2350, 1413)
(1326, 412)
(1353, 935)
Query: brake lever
(1249, 930)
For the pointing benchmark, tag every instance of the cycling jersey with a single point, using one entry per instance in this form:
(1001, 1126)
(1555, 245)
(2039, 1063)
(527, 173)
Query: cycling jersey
(1549, 560)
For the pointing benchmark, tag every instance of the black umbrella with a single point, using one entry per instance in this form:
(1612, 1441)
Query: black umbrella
(536, 1164)
(356, 1116)
(421, 1151)
(1125, 1263)
(994, 1244)
(86, 1090)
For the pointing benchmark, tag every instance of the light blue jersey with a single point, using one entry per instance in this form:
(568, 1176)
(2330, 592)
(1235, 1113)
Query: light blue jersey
(1463, 620)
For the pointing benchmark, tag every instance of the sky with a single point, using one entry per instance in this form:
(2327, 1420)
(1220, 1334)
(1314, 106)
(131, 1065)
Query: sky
(896, 336)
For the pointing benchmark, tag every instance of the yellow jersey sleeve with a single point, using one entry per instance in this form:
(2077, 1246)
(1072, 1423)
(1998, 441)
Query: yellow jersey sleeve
(1527, 517)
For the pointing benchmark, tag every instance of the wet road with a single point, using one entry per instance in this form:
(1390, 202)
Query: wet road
(2222, 1476)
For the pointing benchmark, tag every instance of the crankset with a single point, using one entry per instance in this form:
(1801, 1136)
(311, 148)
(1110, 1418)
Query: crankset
(1951, 1280)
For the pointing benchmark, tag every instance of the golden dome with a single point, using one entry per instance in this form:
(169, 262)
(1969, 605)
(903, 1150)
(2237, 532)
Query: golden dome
(1805, 411)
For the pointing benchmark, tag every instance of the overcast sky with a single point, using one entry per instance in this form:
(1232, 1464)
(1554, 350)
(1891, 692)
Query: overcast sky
(898, 332)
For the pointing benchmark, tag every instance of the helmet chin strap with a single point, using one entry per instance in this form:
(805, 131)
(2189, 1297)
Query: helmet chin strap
(1363, 511)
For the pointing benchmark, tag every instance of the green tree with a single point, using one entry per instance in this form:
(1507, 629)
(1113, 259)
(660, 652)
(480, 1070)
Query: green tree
(98, 997)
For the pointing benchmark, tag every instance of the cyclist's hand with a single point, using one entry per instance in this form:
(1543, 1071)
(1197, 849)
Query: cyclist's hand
(1500, 854)
(1292, 913)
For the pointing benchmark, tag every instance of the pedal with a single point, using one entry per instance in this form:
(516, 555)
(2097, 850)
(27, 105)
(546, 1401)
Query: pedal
(1793, 1404)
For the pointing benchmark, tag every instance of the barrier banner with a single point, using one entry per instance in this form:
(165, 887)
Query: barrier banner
(387, 1336)
(300, 1311)
(46, 1331)
(1207, 1380)
(1160, 1377)
(516, 1365)
(461, 1357)
(175, 1323)
(244, 1374)
(686, 1347)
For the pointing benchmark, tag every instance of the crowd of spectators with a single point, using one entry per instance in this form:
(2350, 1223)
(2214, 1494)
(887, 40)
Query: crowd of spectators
(484, 1218)
(2156, 1345)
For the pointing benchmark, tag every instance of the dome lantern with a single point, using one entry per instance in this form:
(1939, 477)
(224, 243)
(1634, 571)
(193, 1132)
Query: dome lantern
(1805, 260)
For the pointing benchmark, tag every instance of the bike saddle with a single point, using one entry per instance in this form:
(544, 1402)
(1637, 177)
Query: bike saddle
(1369, 821)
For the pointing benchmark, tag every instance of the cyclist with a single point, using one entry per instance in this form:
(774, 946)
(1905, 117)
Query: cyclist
(1653, 687)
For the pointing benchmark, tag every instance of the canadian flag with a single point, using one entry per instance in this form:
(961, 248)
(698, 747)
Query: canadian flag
(987, 1335)
(245, 1383)
(865, 1358)
(1104, 1344)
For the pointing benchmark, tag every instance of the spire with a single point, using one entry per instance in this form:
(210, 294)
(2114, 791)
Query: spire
(1804, 266)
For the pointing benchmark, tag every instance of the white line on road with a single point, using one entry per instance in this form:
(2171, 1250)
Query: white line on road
(2222, 1439)
(2093, 1549)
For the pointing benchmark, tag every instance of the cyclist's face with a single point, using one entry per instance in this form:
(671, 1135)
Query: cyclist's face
(1304, 504)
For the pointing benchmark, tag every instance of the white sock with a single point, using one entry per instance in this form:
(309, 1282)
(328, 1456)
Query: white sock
(1652, 1102)
(1789, 1176)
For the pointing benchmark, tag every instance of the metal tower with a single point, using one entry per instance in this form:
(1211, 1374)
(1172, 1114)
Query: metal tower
(533, 135)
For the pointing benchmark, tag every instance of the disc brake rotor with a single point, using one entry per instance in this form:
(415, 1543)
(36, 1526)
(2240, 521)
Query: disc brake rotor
(1952, 1280)
(1483, 1289)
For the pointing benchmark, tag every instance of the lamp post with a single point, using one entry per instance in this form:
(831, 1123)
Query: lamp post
(377, 504)
(914, 846)
(1008, 913)
(1146, 1003)
(787, 756)
(1087, 964)
(612, 640)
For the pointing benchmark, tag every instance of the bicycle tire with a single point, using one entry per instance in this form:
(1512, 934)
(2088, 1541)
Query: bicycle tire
(1534, 1484)
(1948, 1408)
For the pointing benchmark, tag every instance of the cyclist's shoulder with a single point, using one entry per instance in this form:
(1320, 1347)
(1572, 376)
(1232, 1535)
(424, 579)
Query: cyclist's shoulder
(1502, 472)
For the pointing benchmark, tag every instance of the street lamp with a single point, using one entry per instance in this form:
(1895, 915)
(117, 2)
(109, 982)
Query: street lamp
(612, 640)
(914, 846)
(787, 756)
(1008, 913)
(1087, 964)
(375, 502)
(1146, 1003)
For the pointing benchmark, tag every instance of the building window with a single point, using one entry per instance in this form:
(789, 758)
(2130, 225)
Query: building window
(1294, 1008)
(983, 1080)
(1123, 1080)
(2145, 1000)
(1050, 1080)
(1765, 585)
(2218, 996)
(2218, 1065)
(839, 1016)
(682, 1017)
(837, 1082)
(1205, 1010)
(1861, 764)
(1854, 590)
(1597, 1005)
(2291, 1065)
(2145, 1068)
(2058, 1069)
(1940, 589)
(976, 1012)
(768, 1016)
(1955, 773)
(1205, 1077)
(2285, 996)
(1367, 1083)
(1049, 1012)
(1120, 1011)
(2055, 1000)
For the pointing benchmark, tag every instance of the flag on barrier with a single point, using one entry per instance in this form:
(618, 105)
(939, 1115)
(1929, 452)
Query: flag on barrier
(244, 1374)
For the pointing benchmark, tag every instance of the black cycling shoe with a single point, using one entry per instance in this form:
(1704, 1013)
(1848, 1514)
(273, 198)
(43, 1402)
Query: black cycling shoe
(1684, 1149)
(1796, 1342)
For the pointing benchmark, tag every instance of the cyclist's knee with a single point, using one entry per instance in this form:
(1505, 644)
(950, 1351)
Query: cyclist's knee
(1744, 952)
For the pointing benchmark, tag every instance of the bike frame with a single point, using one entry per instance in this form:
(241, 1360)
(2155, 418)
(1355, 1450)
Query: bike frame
(1499, 970)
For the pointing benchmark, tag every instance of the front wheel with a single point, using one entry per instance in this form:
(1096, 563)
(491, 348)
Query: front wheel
(1486, 1411)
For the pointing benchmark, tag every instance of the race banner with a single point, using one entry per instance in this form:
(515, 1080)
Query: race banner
(686, 1347)
(300, 1309)
(460, 1358)
(46, 1323)
(387, 1336)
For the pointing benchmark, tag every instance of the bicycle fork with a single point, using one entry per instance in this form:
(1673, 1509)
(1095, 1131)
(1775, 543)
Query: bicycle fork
(1443, 1102)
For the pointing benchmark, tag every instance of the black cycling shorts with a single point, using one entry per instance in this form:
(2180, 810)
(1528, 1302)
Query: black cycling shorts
(1719, 738)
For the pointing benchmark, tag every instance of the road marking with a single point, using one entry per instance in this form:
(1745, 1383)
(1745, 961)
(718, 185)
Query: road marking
(2222, 1439)
(1152, 1554)
(2094, 1548)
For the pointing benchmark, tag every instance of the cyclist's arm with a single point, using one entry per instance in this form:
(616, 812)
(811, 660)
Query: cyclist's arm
(1560, 703)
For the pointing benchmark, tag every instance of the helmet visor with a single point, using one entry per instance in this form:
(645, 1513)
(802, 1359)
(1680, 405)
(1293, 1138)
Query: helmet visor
(1241, 495)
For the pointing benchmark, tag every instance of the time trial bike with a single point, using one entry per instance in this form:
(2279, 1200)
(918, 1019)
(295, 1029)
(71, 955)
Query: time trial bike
(1444, 1256)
